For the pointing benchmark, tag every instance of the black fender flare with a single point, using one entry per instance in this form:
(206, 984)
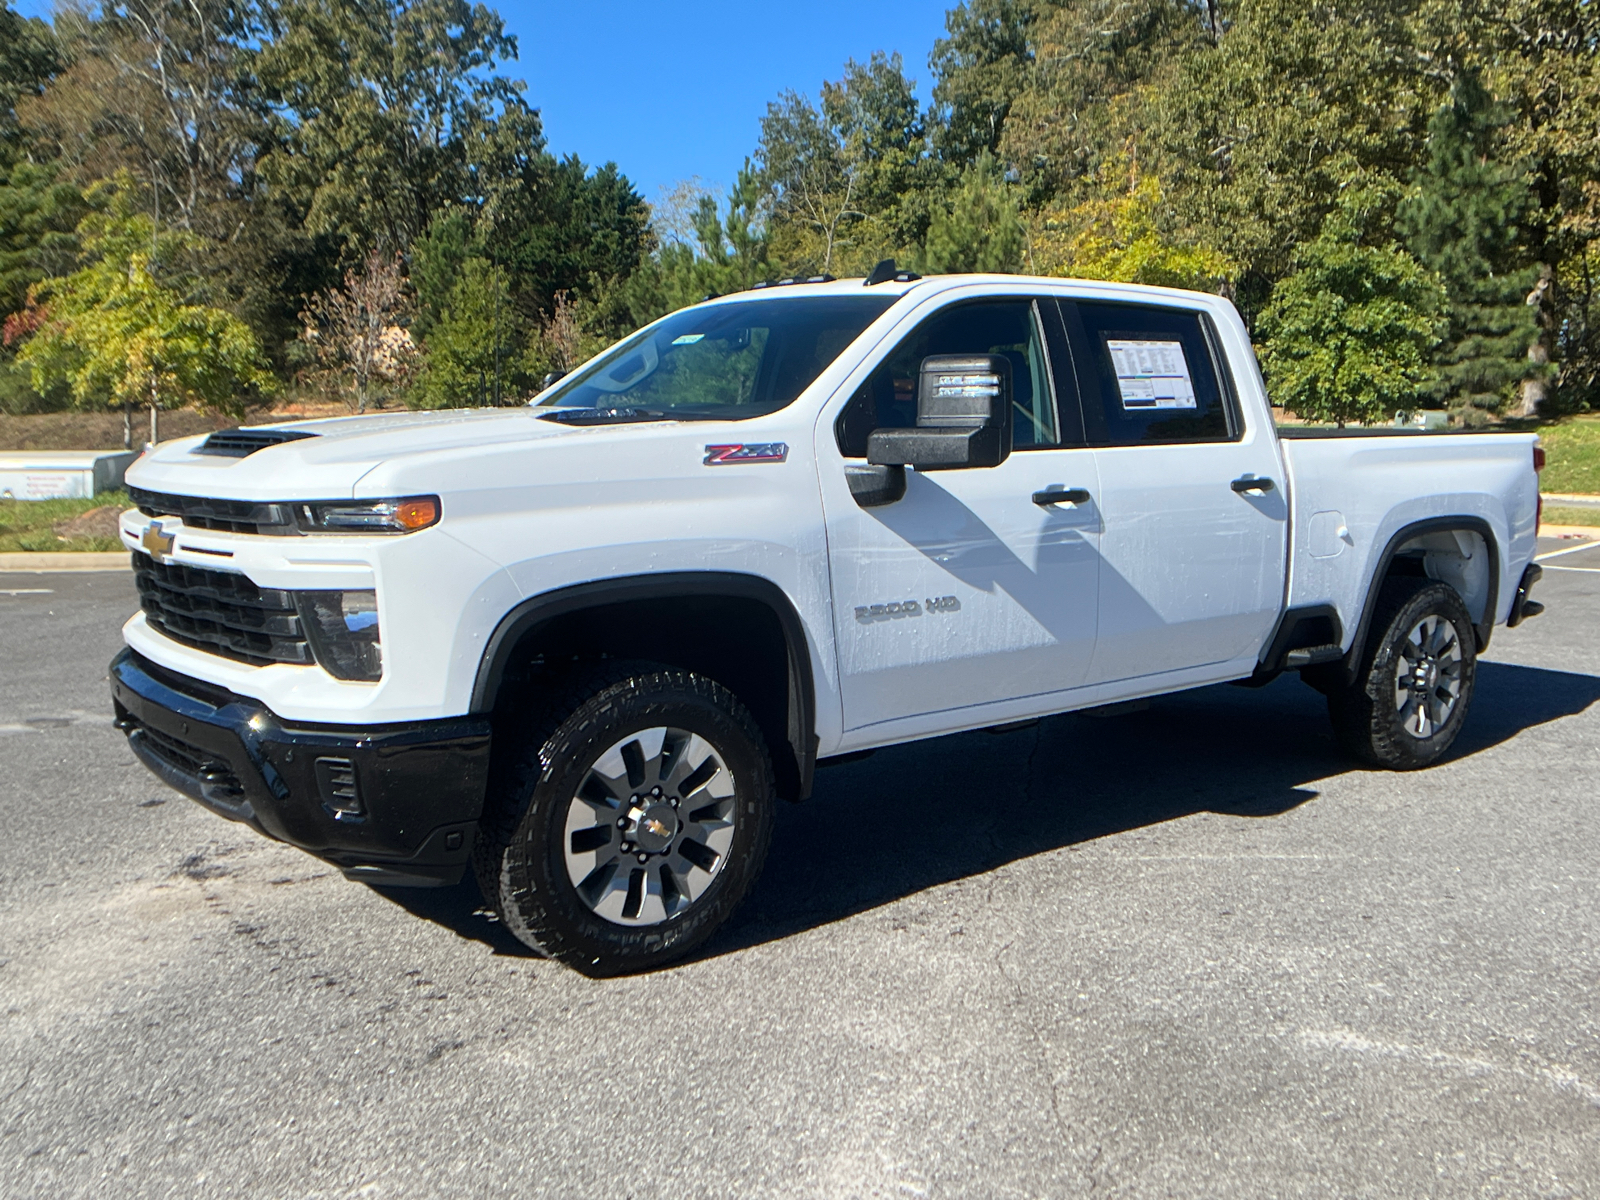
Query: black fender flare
(1462, 524)
(537, 610)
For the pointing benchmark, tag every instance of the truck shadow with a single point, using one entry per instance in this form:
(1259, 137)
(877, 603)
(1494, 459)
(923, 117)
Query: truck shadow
(916, 816)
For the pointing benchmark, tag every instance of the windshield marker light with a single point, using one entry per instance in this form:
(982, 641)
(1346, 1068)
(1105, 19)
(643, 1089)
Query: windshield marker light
(405, 515)
(754, 452)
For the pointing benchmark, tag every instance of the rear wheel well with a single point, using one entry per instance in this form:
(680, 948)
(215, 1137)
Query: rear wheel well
(1458, 551)
(739, 641)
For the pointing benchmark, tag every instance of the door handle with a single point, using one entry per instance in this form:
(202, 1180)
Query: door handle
(1250, 483)
(1061, 496)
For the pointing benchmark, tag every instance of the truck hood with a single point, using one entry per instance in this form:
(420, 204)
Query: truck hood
(328, 464)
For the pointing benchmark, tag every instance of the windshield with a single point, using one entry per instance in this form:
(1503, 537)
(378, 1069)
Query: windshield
(726, 361)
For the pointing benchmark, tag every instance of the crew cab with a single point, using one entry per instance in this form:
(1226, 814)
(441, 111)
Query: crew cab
(584, 645)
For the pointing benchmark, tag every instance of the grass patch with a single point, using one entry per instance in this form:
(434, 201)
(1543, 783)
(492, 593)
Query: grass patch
(1572, 458)
(1554, 515)
(30, 524)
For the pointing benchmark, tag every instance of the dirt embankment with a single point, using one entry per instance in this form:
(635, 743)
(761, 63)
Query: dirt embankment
(103, 430)
(97, 430)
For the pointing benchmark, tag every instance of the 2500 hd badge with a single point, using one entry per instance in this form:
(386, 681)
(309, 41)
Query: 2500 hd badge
(868, 614)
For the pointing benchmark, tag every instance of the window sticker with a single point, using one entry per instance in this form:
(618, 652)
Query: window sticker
(687, 339)
(1152, 374)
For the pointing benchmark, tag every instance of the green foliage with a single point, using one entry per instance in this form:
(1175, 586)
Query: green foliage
(1465, 220)
(29, 57)
(476, 343)
(1348, 334)
(1122, 239)
(436, 262)
(30, 524)
(120, 330)
(39, 215)
(388, 111)
(980, 68)
(730, 254)
(980, 230)
(1572, 457)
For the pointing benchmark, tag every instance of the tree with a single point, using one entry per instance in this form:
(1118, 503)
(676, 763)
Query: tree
(1090, 57)
(1256, 136)
(1349, 333)
(1465, 220)
(979, 69)
(355, 330)
(1121, 238)
(389, 111)
(467, 347)
(121, 329)
(813, 183)
(726, 250)
(980, 230)
(30, 57)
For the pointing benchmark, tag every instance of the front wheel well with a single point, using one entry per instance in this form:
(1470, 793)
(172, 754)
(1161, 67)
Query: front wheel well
(750, 643)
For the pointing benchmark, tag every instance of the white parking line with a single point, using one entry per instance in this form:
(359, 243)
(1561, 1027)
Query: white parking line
(1585, 570)
(1567, 550)
(27, 591)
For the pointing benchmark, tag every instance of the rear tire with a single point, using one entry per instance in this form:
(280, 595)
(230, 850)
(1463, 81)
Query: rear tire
(629, 820)
(1414, 686)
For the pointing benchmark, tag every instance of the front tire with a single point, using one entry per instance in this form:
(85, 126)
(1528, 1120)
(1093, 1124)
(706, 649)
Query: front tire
(1411, 695)
(629, 821)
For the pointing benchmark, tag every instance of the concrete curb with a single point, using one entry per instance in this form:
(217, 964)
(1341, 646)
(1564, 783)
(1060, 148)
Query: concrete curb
(67, 560)
(1569, 531)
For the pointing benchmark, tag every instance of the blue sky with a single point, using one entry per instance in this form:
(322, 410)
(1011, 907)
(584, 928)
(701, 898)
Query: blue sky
(672, 90)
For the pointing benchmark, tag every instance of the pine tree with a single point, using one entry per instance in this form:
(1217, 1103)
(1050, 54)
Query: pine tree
(1465, 220)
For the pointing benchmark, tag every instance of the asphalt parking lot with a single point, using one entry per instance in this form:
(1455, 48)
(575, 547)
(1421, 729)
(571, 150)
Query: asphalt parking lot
(1182, 952)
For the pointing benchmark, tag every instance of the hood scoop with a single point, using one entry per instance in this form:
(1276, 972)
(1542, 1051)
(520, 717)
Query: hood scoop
(241, 443)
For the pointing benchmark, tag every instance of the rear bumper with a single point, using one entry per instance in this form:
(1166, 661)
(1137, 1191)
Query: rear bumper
(388, 803)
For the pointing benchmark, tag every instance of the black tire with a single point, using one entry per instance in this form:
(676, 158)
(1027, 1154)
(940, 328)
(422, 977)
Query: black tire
(1369, 720)
(522, 858)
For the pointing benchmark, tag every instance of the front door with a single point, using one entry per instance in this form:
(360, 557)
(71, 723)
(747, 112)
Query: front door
(966, 591)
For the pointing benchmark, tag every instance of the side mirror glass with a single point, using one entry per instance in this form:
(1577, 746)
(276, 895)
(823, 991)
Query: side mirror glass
(963, 416)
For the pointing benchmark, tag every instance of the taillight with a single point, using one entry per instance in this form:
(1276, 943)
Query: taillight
(1538, 457)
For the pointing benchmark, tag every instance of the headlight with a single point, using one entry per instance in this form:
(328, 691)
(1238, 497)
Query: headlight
(406, 515)
(342, 628)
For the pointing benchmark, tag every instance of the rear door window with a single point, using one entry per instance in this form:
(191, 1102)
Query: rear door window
(1147, 374)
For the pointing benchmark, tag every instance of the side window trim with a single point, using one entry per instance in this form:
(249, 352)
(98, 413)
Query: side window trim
(1224, 373)
(1071, 431)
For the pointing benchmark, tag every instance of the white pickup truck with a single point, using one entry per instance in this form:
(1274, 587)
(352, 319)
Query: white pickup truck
(585, 645)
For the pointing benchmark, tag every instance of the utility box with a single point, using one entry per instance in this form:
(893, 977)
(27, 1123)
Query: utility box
(61, 474)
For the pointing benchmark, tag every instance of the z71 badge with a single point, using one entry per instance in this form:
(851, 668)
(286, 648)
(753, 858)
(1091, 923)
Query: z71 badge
(754, 452)
(869, 614)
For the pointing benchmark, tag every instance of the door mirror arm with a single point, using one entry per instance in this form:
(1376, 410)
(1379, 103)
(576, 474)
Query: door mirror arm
(876, 484)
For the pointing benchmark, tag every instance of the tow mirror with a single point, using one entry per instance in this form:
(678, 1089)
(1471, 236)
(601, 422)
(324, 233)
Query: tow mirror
(963, 417)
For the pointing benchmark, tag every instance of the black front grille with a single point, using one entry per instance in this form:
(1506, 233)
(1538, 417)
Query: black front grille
(228, 516)
(241, 443)
(221, 612)
(219, 778)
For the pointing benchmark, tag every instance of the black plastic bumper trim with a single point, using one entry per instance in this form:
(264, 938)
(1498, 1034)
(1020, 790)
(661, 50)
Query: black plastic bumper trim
(422, 783)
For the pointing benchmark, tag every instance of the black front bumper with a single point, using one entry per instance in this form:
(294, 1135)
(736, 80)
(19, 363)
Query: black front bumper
(392, 804)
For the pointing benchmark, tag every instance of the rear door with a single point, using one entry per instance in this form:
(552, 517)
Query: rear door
(966, 591)
(1192, 567)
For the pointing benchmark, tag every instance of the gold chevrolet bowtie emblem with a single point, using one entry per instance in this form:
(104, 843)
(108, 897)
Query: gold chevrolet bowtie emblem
(157, 543)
